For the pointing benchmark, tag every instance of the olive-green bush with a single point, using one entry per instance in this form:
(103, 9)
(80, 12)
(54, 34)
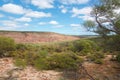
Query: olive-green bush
(63, 61)
(112, 43)
(40, 63)
(96, 57)
(20, 62)
(6, 45)
(84, 47)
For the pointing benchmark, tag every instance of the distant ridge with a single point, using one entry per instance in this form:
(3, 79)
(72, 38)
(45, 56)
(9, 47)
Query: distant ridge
(36, 37)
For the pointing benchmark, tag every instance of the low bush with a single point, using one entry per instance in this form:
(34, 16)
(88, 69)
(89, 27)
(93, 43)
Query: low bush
(20, 62)
(6, 45)
(63, 61)
(40, 63)
(96, 57)
(84, 47)
(112, 43)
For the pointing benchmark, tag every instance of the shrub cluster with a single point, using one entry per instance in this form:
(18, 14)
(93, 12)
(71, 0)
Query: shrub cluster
(64, 61)
(96, 57)
(60, 56)
(6, 46)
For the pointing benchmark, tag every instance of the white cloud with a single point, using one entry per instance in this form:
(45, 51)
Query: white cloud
(53, 22)
(24, 19)
(36, 14)
(42, 23)
(86, 17)
(8, 23)
(26, 24)
(58, 26)
(42, 4)
(75, 25)
(6, 28)
(28, 13)
(63, 9)
(74, 1)
(16, 9)
(84, 11)
(12, 25)
(12, 8)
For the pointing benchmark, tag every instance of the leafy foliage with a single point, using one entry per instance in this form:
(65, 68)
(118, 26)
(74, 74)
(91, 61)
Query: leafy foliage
(96, 57)
(107, 20)
(89, 25)
(63, 61)
(6, 45)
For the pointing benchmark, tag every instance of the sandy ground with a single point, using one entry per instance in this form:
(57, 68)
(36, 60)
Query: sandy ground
(109, 70)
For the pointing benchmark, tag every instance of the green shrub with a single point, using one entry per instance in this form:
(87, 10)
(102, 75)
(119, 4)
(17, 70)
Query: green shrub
(83, 47)
(6, 45)
(19, 54)
(21, 47)
(118, 58)
(30, 56)
(96, 57)
(20, 62)
(63, 61)
(40, 63)
(112, 44)
(40, 60)
(43, 53)
(98, 61)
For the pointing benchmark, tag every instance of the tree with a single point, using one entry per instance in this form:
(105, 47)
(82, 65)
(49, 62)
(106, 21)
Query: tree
(107, 18)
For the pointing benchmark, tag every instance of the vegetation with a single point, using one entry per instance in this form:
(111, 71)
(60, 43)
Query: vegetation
(64, 61)
(118, 57)
(106, 24)
(70, 55)
(20, 63)
(104, 12)
(60, 56)
(6, 46)
(63, 55)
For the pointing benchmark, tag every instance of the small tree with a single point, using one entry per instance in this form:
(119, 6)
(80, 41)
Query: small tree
(107, 18)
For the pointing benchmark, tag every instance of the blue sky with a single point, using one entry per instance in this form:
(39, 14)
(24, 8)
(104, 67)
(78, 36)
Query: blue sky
(61, 16)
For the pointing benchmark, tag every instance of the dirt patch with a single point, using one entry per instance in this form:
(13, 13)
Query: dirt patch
(109, 70)
(9, 72)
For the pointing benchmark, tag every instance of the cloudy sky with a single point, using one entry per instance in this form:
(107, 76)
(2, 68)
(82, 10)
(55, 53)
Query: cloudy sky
(61, 16)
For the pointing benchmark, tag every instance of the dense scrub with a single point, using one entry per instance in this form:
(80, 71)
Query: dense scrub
(110, 44)
(58, 56)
